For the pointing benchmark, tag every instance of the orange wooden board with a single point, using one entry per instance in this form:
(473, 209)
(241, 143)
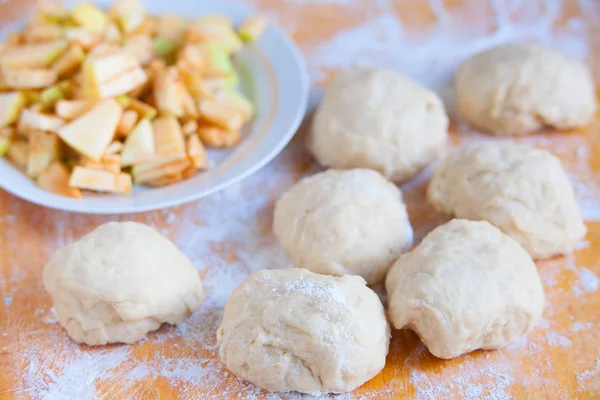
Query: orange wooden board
(229, 234)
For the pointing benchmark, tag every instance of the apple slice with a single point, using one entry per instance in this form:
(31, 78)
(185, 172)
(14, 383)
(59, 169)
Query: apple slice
(213, 136)
(253, 27)
(172, 27)
(188, 105)
(146, 172)
(123, 83)
(168, 139)
(71, 109)
(196, 152)
(100, 181)
(139, 145)
(55, 179)
(141, 47)
(30, 121)
(4, 144)
(129, 14)
(82, 37)
(11, 104)
(110, 163)
(193, 81)
(18, 152)
(91, 133)
(127, 122)
(166, 93)
(43, 149)
(101, 69)
(28, 78)
(237, 100)
(144, 110)
(90, 17)
(35, 55)
(228, 117)
(166, 180)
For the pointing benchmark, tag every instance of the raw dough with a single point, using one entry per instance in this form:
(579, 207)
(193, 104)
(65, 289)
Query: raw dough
(286, 330)
(342, 222)
(120, 282)
(523, 191)
(517, 89)
(379, 119)
(467, 286)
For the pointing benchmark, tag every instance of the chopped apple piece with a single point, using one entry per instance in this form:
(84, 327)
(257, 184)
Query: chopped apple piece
(146, 172)
(167, 179)
(193, 81)
(69, 61)
(17, 153)
(166, 93)
(168, 139)
(253, 28)
(236, 100)
(123, 83)
(112, 34)
(139, 145)
(100, 181)
(113, 148)
(190, 110)
(127, 122)
(71, 109)
(189, 172)
(43, 149)
(144, 110)
(91, 133)
(30, 121)
(196, 152)
(82, 37)
(28, 78)
(11, 104)
(215, 32)
(50, 96)
(4, 144)
(55, 179)
(129, 14)
(225, 116)
(228, 83)
(189, 128)
(34, 55)
(217, 63)
(41, 33)
(141, 47)
(103, 49)
(110, 163)
(90, 17)
(148, 26)
(213, 136)
(172, 27)
(192, 56)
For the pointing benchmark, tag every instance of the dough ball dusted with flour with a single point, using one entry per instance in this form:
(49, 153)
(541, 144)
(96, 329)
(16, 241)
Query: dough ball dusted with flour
(120, 282)
(466, 286)
(287, 330)
(517, 89)
(342, 222)
(378, 119)
(522, 190)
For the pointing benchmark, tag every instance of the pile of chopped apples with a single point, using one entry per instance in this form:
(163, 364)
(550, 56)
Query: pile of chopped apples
(98, 100)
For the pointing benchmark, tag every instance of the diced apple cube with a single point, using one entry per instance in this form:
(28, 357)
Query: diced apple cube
(146, 172)
(193, 81)
(11, 104)
(91, 133)
(225, 116)
(172, 27)
(110, 163)
(217, 63)
(166, 180)
(30, 121)
(127, 122)
(139, 146)
(196, 152)
(237, 100)
(90, 17)
(141, 47)
(71, 109)
(190, 110)
(82, 37)
(123, 83)
(55, 179)
(112, 34)
(166, 93)
(18, 152)
(216, 33)
(98, 70)
(168, 139)
(43, 149)
(69, 61)
(34, 55)
(213, 136)
(100, 181)
(129, 14)
(28, 78)
(253, 28)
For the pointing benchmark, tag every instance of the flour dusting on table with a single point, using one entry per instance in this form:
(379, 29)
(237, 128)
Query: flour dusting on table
(228, 236)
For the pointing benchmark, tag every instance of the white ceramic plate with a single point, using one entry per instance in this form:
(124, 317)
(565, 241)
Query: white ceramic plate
(272, 72)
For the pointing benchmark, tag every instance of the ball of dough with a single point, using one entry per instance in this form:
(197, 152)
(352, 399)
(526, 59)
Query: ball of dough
(379, 119)
(120, 282)
(523, 191)
(467, 286)
(342, 222)
(287, 330)
(517, 89)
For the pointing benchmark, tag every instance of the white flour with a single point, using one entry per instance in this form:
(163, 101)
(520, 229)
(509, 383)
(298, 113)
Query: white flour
(225, 236)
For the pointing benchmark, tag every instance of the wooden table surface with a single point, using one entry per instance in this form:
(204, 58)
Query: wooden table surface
(229, 234)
